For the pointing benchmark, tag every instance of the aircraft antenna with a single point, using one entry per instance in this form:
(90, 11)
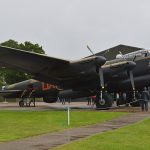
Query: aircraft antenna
(90, 50)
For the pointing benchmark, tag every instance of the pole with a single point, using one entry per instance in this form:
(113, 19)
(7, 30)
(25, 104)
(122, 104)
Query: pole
(5, 101)
(68, 114)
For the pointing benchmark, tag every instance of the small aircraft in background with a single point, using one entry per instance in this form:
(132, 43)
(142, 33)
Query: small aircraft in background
(88, 76)
(47, 91)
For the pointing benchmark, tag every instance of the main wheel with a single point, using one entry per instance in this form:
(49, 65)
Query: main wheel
(106, 101)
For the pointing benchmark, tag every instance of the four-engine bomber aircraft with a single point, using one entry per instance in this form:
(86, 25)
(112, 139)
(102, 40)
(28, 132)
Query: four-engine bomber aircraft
(88, 76)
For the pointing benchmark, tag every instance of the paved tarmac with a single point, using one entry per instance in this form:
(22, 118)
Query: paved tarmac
(41, 106)
(50, 140)
(44, 106)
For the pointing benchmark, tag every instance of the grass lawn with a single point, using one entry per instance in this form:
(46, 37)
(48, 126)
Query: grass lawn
(132, 137)
(20, 124)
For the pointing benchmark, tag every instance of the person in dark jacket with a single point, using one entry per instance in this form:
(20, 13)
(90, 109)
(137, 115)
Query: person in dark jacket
(144, 100)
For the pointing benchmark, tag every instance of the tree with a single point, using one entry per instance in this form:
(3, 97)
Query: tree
(9, 76)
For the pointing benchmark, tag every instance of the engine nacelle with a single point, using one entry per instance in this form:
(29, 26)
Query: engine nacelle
(49, 99)
(130, 65)
(97, 60)
(73, 94)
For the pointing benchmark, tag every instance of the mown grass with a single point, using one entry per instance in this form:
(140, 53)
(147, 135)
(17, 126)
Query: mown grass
(132, 137)
(20, 124)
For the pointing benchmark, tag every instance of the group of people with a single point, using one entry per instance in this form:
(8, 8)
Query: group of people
(91, 100)
(63, 100)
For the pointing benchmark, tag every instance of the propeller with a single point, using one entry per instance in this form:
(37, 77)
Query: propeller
(100, 72)
(90, 50)
(130, 73)
(132, 79)
(101, 76)
(103, 54)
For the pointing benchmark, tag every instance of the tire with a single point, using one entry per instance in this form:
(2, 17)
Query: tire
(106, 103)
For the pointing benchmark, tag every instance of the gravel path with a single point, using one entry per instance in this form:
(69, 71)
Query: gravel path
(50, 140)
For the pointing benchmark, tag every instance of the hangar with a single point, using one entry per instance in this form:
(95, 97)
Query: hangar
(112, 52)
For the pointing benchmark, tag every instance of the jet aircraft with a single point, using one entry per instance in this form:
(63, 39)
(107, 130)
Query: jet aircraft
(48, 92)
(87, 76)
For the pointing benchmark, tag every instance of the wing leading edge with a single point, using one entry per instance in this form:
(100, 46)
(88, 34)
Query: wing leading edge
(29, 62)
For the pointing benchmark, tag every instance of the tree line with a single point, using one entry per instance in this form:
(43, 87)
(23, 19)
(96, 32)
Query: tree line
(9, 76)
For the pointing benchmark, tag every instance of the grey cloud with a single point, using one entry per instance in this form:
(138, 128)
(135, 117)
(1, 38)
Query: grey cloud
(64, 28)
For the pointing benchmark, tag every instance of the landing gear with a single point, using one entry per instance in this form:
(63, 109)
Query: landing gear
(104, 102)
(27, 102)
(133, 96)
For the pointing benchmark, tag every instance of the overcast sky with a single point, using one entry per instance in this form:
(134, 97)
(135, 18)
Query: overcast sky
(65, 27)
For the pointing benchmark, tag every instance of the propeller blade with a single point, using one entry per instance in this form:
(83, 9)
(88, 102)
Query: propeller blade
(132, 79)
(90, 50)
(101, 76)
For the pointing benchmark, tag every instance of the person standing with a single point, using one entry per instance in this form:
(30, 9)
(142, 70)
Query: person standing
(93, 100)
(63, 101)
(144, 100)
(89, 101)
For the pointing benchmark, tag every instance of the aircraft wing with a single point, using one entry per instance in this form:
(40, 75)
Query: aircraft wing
(118, 69)
(34, 63)
(6, 92)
